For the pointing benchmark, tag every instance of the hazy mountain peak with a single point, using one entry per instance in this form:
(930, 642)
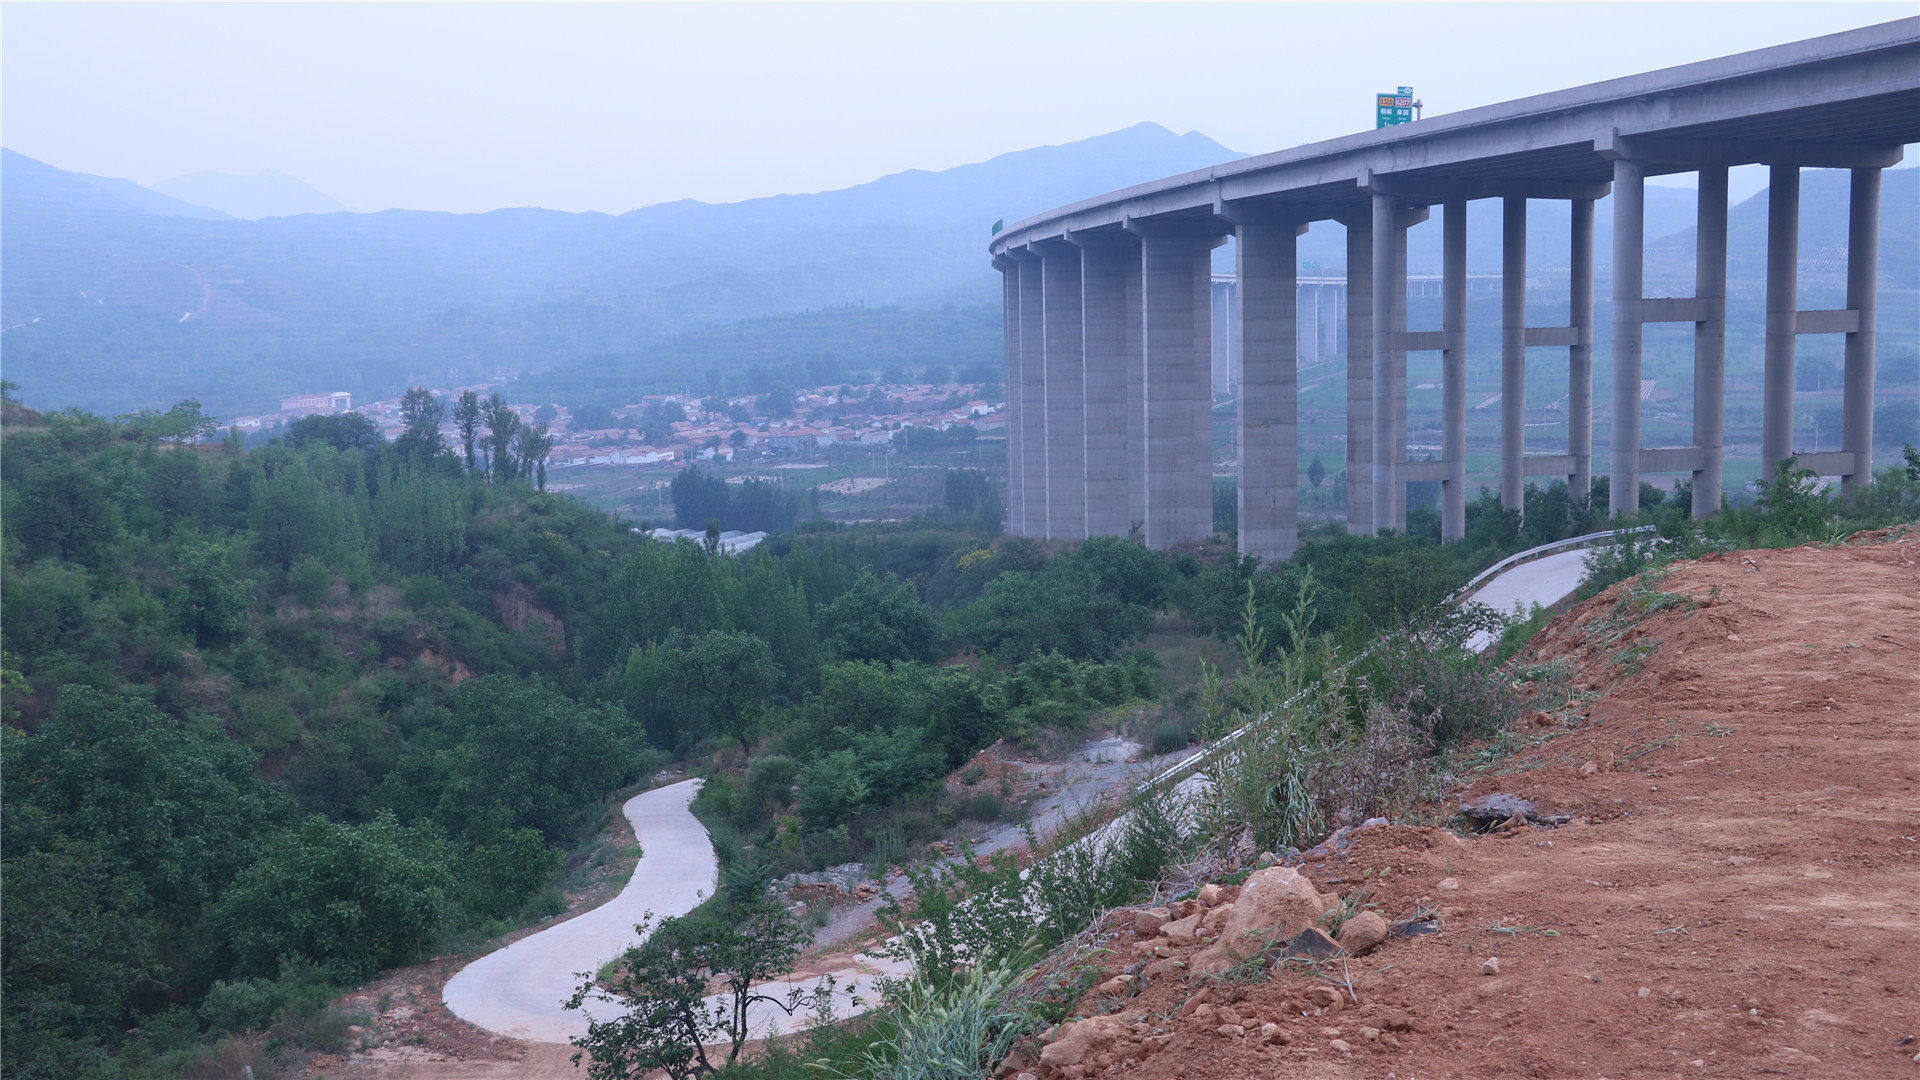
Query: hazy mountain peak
(29, 181)
(267, 193)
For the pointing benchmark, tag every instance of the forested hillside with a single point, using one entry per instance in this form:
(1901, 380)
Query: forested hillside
(279, 719)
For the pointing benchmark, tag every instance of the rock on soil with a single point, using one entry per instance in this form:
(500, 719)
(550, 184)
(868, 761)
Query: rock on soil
(1274, 905)
(1363, 932)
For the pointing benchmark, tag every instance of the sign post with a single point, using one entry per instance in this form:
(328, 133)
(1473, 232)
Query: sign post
(1394, 108)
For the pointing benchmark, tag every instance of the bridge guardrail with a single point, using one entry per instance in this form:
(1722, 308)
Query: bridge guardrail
(1540, 552)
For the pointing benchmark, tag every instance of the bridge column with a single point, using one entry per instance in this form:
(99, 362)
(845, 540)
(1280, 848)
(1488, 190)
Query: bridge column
(1398, 503)
(1136, 395)
(1033, 397)
(1629, 240)
(1453, 371)
(1010, 328)
(1109, 378)
(1175, 297)
(1863, 272)
(1783, 302)
(1359, 335)
(1389, 295)
(1268, 426)
(1580, 353)
(1066, 393)
(1710, 341)
(1513, 351)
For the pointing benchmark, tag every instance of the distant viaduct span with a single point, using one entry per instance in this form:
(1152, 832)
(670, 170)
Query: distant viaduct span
(1109, 301)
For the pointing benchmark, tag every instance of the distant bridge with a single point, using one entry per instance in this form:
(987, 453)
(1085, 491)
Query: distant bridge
(1109, 302)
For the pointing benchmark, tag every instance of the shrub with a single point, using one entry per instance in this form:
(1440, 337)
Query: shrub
(985, 806)
(832, 789)
(309, 582)
(952, 1031)
(770, 780)
(240, 1005)
(1168, 737)
(1425, 672)
(424, 591)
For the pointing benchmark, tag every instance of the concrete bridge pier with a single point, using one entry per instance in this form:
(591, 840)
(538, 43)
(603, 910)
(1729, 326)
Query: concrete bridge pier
(1268, 433)
(1853, 463)
(1513, 351)
(1863, 275)
(1176, 281)
(1033, 396)
(1453, 370)
(1408, 218)
(1009, 268)
(1629, 241)
(1387, 416)
(1710, 341)
(1580, 353)
(1113, 323)
(1110, 379)
(1066, 392)
(1783, 304)
(1359, 372)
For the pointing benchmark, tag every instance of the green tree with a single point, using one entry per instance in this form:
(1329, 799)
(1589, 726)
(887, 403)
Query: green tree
(879, 620)
(342, 431)
(291, 513)
(1089, 604)
(533, 445)
(177, 487)
(78, 944)
(186, 422)
(208, 603)
(663, 982)
(349, 898)
(422, 413)
(1316, 472)
(64, 512)
(728, 675)
(778, 402)
(174, 807)
(1794, 503)
(503, 425)
(467, 414)
(515, 753)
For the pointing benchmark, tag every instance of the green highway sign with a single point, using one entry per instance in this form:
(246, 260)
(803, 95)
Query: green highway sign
(1394, 108)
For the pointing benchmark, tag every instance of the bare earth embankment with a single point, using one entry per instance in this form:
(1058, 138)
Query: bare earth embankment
(1736, 893)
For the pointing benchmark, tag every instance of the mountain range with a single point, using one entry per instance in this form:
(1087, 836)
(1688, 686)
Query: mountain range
(120, 297)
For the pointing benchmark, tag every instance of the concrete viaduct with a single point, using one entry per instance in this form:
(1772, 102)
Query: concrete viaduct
(1110, 302)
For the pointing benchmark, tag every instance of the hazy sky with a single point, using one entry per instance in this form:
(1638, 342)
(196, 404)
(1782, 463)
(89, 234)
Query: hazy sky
(609, 107)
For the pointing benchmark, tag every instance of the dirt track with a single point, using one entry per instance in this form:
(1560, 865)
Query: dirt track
(1739, 891)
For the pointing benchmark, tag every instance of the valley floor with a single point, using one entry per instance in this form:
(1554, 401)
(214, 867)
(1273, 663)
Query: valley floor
(1736, 890)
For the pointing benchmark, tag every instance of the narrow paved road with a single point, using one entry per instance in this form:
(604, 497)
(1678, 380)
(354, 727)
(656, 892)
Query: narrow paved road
(1543, 581)
(517, 991)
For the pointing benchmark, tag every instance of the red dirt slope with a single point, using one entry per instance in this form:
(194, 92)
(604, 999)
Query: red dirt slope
(1738, 893)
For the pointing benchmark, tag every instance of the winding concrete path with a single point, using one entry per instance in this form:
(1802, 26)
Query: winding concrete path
(517, 991)
(1543, 581)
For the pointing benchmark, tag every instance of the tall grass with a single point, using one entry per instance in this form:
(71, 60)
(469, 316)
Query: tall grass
(951, 1031)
